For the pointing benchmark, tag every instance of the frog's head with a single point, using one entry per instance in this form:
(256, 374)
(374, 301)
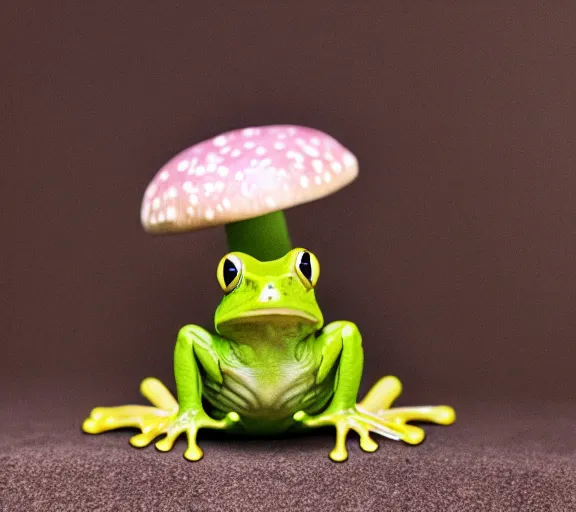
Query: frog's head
(276, 294)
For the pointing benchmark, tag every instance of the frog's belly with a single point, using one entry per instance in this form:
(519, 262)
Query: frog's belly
(270, 393)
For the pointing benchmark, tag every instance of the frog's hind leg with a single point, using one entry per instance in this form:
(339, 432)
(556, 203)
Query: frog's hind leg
(378, 403)
(151, 420)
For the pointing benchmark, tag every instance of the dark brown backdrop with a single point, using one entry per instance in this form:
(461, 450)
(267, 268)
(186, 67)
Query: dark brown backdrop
(453, 251)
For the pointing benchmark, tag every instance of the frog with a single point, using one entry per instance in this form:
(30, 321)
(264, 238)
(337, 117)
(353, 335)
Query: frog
(270, 366)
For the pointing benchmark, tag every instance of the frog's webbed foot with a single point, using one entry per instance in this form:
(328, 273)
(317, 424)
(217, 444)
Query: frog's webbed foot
(374, 415)
(161, 418)
(151, 420)
(344, 421)
(190, 422)
(379, 399)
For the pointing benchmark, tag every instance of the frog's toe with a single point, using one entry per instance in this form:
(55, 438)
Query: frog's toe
(227, 422)
(382, 394)
(102, 419)
(167, 443)
(158, 394)
(90, 426)
(141, 440)
(440, 414)
(413, 435)
(367, 443)
(193, 452)
(444, 415)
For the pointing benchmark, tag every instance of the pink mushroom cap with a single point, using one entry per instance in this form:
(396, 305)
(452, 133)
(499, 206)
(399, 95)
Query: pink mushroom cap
(243, 174)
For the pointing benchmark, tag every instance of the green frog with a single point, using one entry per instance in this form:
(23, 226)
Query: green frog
(271, 366)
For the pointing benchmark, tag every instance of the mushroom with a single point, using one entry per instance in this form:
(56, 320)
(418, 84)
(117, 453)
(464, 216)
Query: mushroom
(244, 179)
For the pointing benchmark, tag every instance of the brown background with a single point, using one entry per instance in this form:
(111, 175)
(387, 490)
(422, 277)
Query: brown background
(453, 251)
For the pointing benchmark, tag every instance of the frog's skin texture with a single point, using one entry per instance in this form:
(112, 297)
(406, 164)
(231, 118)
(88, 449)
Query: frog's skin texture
(271, 367)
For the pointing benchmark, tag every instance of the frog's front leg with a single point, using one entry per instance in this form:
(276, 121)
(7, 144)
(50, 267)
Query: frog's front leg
(194, 346)
(341, 342)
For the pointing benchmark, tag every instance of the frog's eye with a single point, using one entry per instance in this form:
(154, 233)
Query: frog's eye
(229, 272)
(307, 268)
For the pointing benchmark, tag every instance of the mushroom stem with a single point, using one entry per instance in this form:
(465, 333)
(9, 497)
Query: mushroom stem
(265, 237)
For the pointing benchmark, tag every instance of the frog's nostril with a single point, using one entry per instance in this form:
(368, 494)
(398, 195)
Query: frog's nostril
(270, 286)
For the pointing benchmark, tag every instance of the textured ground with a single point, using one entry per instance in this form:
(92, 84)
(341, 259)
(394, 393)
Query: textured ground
(494, 458)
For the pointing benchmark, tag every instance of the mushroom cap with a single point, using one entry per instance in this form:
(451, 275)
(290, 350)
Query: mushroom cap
(243, 174)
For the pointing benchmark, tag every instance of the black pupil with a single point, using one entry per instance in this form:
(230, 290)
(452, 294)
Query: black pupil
(305, 266)
(230, 272)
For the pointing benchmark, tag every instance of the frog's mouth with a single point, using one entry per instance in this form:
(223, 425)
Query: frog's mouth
(275, 315)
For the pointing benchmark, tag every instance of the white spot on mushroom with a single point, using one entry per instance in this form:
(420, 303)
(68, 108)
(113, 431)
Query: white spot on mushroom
(161, 217)
(317, 180)
(171, 213)
(317, 165)
(219, 207)
(190, 211)
(295, 155)
(220, 141)
(219, 186)
(291, 131)
(315, 141)
(209, 213)
(156, 203)
(193, 199)
(239, 176)
(226, 203)
(279, 146)
(211, 168)
(304, 181)
(336, 167)
(282, 135)
(235, 153)
(249, 145)
(164, 175)
(327, 177)
(208, 188)
(183, 165)
(310, 151)
(224, 150)
(349, 160)
(189, 187)
(151, 190)
(153, 220)
(266, 162)
(213, 158)
(223, 171)
(200, 170)
(260, 150)
(248, 132)
(328, 155)
(270, 201)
